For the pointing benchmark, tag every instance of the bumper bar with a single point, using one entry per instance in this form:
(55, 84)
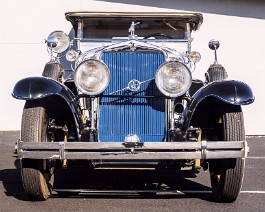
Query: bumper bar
(133, 151)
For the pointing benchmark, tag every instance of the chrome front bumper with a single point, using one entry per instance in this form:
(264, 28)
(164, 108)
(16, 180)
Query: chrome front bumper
(133, 151)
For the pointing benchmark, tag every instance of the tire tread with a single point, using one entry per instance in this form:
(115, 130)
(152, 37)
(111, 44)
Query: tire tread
(35, 185)
(232, 170)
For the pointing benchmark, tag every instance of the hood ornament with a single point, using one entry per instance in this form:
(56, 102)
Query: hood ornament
(132, 36)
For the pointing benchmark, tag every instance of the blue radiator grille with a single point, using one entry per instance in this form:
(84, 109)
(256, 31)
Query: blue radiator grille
(119, 117)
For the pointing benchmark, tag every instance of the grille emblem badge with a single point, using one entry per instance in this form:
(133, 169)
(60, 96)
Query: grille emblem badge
(134, 85)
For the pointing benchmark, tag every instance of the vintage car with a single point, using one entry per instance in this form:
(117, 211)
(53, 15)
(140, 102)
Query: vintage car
(129, 99)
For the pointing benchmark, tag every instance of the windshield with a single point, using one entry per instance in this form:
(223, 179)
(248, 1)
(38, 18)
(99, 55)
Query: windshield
(119, 28)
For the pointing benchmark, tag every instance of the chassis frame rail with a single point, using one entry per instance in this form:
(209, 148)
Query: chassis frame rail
(133, 151)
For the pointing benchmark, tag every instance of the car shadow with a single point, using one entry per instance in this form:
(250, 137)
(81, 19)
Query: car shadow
(114, 184)
(12, 182)
(129, 183)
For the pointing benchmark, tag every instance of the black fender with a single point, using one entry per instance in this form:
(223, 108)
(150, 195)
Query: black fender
(229, 91)
(34, 88)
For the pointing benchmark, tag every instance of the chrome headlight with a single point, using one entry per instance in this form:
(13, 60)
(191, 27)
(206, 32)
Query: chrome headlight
(72, 55)
(195, 56)
(58, 41)
(92, 77)
(173, 79)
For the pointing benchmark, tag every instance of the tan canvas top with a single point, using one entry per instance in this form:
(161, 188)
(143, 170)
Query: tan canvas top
(195, 19)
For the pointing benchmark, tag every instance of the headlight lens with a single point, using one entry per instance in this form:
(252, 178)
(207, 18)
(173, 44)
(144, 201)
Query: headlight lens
(195, 56)
(173, 79)
(72, 55)
(58, 41)
(92, 77)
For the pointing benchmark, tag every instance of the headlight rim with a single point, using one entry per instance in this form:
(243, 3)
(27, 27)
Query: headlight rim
(167, 93)
(85, 91)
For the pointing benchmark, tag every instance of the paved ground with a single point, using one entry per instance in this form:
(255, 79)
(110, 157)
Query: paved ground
(196, 187)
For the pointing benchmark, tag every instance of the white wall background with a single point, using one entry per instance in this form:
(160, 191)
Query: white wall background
(238, 25)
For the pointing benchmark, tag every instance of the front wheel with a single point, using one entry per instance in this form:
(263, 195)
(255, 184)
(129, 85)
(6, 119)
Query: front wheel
(227, 174)
(37, 175)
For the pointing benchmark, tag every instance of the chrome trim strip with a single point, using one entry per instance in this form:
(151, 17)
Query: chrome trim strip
(126, 39)
(134, 45)
(204, 149)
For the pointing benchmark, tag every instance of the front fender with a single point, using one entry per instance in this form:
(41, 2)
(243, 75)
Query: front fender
(228, 91)
(39, 87)
(33, 88)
